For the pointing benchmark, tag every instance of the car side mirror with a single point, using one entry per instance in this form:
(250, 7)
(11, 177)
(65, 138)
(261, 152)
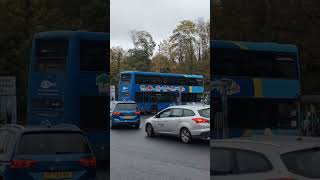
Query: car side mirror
(157, 116)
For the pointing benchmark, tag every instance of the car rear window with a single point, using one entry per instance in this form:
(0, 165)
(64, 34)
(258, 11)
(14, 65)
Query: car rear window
(126, 106)
(230, 161)
(187, 112)
(204, 112)
(53, 143)
(304, 162)
(251, 162)
(221, 162)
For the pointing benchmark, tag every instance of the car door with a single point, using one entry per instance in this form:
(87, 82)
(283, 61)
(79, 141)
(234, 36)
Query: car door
(160, 120)
(171, 125)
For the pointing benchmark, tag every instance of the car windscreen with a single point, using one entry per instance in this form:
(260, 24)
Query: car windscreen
(126, 106)
(204, 112)
(51, 143)
(303, 162)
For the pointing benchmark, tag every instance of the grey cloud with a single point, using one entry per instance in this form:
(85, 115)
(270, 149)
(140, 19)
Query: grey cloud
(159, 17)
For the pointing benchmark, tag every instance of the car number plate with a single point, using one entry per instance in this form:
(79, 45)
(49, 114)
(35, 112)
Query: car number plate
(128, 117)
(57, 175)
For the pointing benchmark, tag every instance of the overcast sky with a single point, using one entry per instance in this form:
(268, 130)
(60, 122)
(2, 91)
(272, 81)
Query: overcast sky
(158, 17)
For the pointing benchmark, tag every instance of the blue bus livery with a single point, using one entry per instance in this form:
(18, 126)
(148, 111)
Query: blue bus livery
(154, 91)
(263, 85)
(68, 83)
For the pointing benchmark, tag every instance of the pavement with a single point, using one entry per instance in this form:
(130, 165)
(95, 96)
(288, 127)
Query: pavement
(137, 157)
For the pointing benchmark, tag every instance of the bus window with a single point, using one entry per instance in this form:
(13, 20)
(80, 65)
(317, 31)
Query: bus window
(51, 55)
(261, 65)
(164, 97)
(194, 82)
(125, 77)
(143, 79)
(173, 81)
(285, 66)
(93, 56)
(155, 97)
(195, 97)
(254, 64)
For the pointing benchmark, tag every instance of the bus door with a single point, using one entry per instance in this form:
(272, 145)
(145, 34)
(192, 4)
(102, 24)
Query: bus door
(220, 122)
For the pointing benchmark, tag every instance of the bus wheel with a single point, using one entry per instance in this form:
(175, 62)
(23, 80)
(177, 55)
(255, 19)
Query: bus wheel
(149, 130)
(154, 109)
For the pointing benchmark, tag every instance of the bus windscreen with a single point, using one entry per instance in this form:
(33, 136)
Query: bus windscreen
(50, 54)
(93, 56)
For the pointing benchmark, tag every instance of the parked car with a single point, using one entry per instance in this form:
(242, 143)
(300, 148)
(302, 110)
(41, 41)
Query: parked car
(45, 152)
(124, 113)
(185, 121)
(265, 158)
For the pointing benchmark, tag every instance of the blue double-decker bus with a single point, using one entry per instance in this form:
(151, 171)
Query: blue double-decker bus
(68, 83)
(154, 91)
(263, 85)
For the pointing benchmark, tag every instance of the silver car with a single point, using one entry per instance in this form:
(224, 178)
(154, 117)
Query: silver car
(185, 121)
(265, 157)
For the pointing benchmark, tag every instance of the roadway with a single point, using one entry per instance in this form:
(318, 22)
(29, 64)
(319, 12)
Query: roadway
(137, 157)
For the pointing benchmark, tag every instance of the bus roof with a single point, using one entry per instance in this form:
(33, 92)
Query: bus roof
(67, 34)
(162, 74)
(254, 46)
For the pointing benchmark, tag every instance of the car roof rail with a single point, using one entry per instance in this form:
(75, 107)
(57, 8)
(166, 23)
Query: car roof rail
(67, 125)
(14, 126)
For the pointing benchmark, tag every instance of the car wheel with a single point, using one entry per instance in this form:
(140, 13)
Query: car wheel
(185, 135)
(149, 130)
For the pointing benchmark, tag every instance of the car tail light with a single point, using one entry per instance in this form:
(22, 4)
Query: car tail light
(116, 113)
(137, 112)
(22, 163)
(200, 120)
(283, 178)
(88, 162)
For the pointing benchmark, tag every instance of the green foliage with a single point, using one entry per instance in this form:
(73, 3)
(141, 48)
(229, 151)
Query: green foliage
(139, 60)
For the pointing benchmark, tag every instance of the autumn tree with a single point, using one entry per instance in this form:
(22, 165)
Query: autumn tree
(182, 41)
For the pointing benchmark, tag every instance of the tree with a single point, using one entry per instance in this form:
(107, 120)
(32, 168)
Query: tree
(116, 61)
(182, 44)
(139, 56)
(160, 63)
(142, 40)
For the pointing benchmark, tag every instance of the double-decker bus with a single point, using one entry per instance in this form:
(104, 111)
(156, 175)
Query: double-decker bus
(263, 85)
(68, 83)
(154, 91)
